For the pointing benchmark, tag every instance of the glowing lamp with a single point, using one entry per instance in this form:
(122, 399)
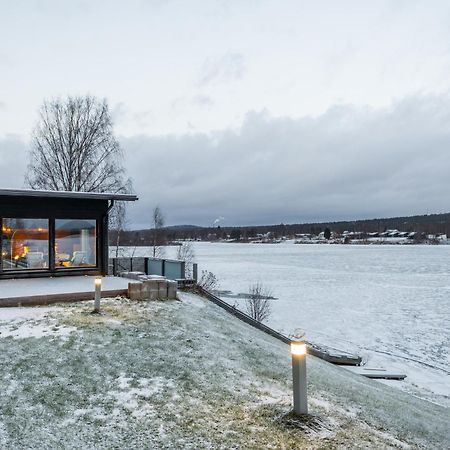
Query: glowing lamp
(98, 294)
(298, 348)
(300, 395)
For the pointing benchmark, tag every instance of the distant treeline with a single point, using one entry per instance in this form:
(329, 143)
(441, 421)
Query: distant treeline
(428, 224)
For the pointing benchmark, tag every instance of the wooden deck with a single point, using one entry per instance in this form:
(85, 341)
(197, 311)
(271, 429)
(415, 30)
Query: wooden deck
(43, 291)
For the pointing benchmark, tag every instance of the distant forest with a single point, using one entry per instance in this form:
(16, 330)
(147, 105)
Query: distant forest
(428, 224)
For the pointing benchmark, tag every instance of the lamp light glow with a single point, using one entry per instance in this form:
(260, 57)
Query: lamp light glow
(98, 294)
(299, 382)
(298, 348)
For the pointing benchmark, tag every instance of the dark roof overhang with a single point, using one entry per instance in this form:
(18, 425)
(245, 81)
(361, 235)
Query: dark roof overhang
(67, 194)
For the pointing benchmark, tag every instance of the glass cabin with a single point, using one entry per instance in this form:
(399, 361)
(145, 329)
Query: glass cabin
(51, 233)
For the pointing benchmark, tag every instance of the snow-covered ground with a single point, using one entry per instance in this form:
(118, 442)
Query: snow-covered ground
(23, 287)
(390, 304)
(184, 375)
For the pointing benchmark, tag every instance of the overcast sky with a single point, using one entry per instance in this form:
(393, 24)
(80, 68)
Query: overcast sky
(252, 111)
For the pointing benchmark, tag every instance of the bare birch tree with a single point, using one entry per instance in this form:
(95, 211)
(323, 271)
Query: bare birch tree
(74, 148)
(158, 222)
(118, 223)
(185, 252)
(258, 303)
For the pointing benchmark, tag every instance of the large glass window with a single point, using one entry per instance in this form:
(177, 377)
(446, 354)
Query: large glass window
(24, 244)
(75, 243)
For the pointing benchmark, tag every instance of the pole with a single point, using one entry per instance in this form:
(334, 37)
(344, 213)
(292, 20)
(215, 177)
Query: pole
(98, 294)
(195, 271)
(299, 380)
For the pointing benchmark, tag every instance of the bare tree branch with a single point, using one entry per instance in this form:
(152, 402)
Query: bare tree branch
(74, 148)
(158, 240)
(258, 304)
(118, 223)
(185, 252)
(208, 281)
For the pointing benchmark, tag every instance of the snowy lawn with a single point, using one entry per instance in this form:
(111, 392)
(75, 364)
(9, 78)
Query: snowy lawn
(183, 375)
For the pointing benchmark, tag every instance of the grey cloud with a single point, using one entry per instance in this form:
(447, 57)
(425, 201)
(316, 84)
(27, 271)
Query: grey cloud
(6, 62)
(144, 118)
(119, 111)
(13, 162)
(177, 104)
(228, 67)
(204, 101)
(347, 163)
(181, 105)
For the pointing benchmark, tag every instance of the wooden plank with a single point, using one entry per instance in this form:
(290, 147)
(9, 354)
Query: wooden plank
(377, 373)
(67, 297)
(333, 356)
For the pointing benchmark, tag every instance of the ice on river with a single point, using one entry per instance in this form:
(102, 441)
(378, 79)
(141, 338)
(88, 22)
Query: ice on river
(390, 304)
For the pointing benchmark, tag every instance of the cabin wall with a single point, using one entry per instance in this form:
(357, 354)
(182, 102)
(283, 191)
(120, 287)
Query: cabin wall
(53, 209)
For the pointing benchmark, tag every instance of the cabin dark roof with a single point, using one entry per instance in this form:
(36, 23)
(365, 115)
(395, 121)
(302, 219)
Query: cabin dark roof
(67, 194)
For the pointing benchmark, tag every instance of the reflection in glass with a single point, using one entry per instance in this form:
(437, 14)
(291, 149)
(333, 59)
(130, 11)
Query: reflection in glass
(75, 243)
(24, 244)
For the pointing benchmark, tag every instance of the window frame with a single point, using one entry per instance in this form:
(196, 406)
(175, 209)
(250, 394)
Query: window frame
(51, 269)
(97, 247)
(24, 270)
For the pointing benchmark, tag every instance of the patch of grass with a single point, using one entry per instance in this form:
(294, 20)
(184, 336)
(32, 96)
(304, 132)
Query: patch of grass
(157, 375)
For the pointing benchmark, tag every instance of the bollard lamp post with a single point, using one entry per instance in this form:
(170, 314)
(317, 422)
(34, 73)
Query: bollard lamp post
(298, 353)
(98, 294)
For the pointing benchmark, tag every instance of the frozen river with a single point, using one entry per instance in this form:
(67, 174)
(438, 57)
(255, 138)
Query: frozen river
(390, 304)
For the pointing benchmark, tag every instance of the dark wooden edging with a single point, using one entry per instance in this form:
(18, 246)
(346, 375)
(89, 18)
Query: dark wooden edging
(32, 300)
(348, 360)
(242, 316)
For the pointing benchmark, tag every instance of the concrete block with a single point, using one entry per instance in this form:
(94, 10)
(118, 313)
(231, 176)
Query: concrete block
(150, 283)
(151, 289)
(132, 275)
(135, 291)
(153, 294)
(155, 277)
(162, 290)
(172, 290)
